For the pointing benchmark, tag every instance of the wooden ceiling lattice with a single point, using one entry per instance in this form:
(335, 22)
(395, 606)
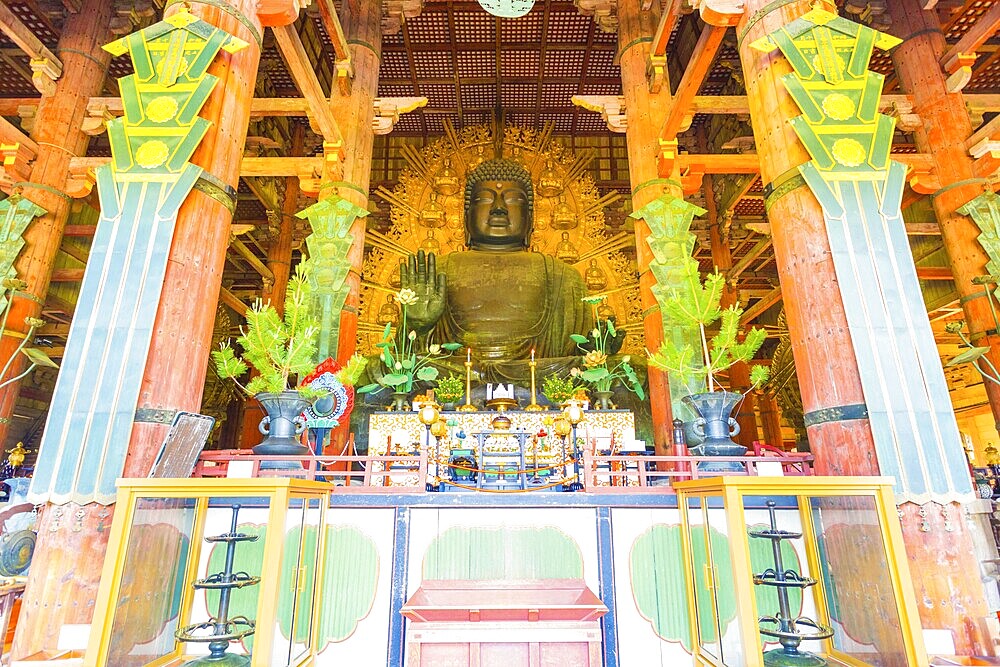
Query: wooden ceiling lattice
(467, 63)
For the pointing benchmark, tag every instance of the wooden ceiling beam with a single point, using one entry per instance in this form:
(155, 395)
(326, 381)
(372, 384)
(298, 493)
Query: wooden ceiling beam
(756, 251)
(751, 313)
(263, 107)
(302, 72)
(233, 301)
(934, 273)
(45, 66)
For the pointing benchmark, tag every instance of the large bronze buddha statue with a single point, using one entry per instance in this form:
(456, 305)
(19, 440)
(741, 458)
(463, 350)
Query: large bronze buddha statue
(497, 298)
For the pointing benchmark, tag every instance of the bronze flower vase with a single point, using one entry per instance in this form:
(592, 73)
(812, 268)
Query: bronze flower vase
(716, 426)
(283, 425)
(602, 400)
(399, 401)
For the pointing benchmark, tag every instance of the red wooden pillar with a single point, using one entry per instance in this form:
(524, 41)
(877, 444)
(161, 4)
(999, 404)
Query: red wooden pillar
(58, 132)
(179, 353)
(942, 133)
(362, 23)
(739, 373)
(939, 547)
(646, 114)
(952, 594)
(824, 356)
(279, 261)
(770, 417)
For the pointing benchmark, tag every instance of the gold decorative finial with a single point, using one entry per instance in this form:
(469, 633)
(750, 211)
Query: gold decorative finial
(16, 455)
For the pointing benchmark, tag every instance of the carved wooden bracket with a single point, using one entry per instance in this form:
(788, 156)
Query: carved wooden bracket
(45, 66)
(605, 12)
(902, 111)
(98, 113)
(274, 13)
(923, 182)
(722, 13)
(611, 108)
(396, 12)
(389, 109)
(311, 178)
(656, 73)
(962, 72)
(80, 181)
(666, 157)
(17, 159)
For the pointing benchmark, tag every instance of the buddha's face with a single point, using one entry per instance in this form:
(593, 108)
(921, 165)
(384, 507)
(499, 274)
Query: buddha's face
(498, 214)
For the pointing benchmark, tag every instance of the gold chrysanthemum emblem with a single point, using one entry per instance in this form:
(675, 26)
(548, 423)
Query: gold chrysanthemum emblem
(152, 154)
(849, 152)
(838, 106)
(161, 109)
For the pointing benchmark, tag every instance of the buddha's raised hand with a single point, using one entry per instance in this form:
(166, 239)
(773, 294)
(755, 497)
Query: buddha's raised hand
(419, 274)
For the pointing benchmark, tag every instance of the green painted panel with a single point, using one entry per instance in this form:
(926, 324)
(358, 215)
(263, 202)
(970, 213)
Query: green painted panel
(522, 553)
(659, 588)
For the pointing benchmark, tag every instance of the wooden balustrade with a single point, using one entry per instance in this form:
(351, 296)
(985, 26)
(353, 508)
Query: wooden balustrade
(411, 473)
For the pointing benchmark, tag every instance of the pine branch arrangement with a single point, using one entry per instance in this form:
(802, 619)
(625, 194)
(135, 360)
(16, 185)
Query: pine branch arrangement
(278, 348)
(697, 303)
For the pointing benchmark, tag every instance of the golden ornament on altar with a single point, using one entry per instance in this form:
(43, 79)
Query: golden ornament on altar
(15, 456)
(161, 109)
(561, 426)
(151, 154)
(439, 429)
(838, 106)
(849, 152)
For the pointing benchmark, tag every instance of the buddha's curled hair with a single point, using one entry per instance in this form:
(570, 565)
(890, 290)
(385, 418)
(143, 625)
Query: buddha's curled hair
(499, 170)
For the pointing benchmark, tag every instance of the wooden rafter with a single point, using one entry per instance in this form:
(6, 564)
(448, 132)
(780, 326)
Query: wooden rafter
(342, 54)
(698, 67)
(302, 72)
(45, 66)
(765, 302)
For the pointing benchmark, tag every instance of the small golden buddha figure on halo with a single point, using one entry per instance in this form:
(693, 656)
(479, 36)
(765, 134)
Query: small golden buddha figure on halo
(430, 244)
(389, 312)
(566, 251)
(595, 277)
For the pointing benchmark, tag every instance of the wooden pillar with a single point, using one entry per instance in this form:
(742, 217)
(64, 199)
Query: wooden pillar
(58, 132)
(646, 115)
(821, 344)
(951, 594)
(739, 373)
(945, 573)
(354, 113)
(175, 370)
(942, 133)
(770, 418)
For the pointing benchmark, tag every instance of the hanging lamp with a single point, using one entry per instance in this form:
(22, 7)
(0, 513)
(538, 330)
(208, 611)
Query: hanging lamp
(508, 9)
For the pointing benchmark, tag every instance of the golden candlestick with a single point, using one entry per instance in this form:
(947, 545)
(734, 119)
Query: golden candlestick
(533, 406)
(468, 407)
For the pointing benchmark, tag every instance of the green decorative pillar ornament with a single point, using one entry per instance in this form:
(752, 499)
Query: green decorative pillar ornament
(860, 190)
(16, 213)
(90, 421)
(672, 244)
(985, 212)
(328, 265)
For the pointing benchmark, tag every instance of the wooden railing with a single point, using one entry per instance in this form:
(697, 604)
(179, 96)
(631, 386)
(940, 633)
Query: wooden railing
(414, 472)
